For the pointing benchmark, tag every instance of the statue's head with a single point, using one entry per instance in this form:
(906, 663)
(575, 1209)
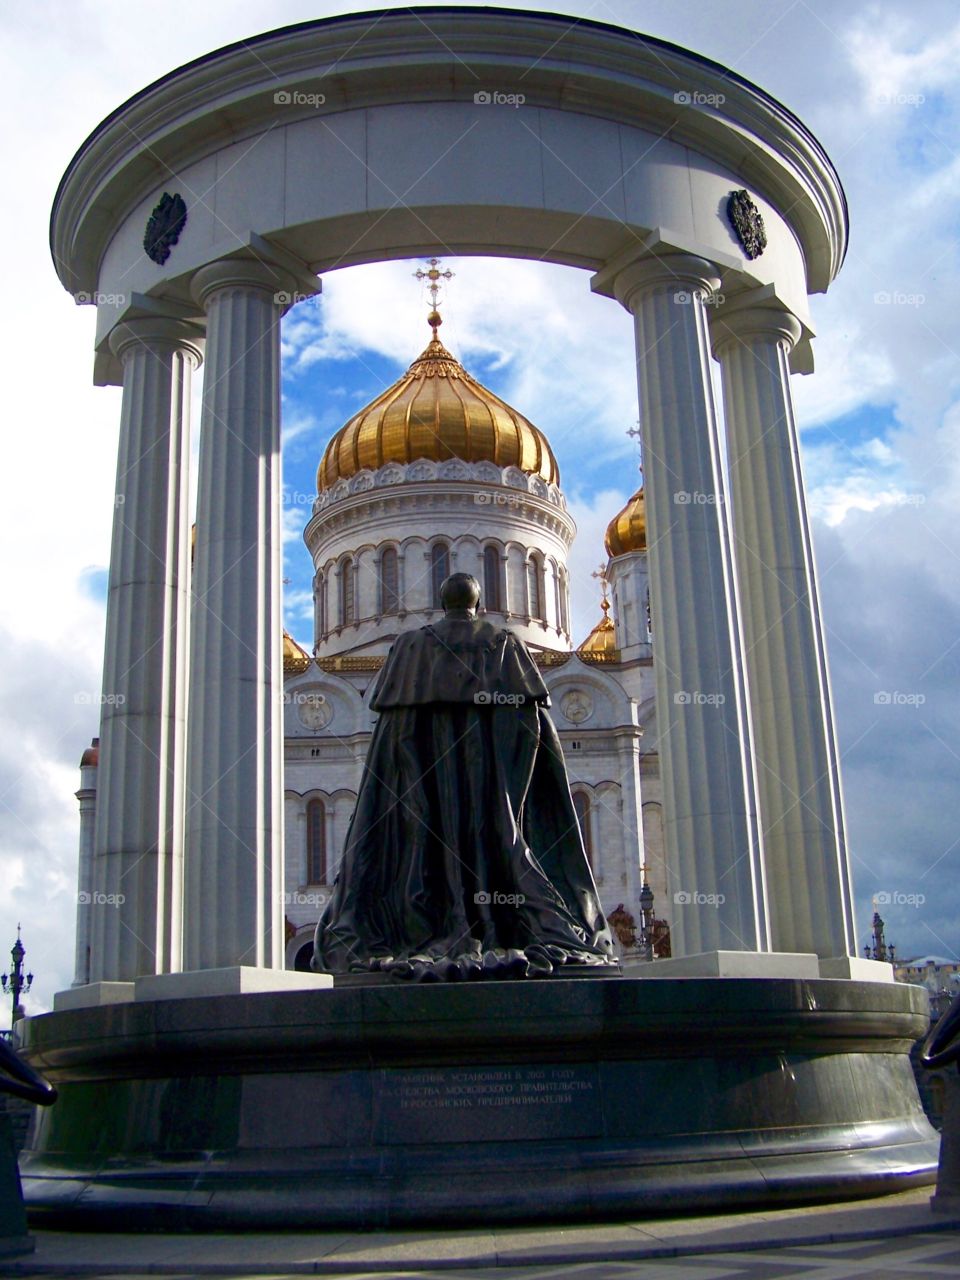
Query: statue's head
(460, 591)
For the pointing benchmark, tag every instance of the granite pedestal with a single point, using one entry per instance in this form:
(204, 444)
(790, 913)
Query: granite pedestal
(476, 1103)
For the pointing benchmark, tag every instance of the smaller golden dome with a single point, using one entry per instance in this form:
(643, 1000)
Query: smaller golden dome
(601, 643)
(627, 531)
(92, 754)
(295, 659)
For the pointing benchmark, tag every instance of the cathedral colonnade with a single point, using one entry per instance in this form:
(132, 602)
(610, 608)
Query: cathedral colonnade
(719, 215)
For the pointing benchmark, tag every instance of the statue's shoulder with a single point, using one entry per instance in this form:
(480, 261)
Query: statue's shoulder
(490, 635)
(463, 634)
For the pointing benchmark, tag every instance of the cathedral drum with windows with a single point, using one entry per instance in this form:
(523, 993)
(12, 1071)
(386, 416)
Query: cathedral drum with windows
(439, 475)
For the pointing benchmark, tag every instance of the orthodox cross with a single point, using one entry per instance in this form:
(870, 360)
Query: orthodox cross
(637, 434)
(601, 573)
(434, 275)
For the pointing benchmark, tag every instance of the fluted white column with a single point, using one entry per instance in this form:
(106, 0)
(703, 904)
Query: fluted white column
(87, 795)
(137, 841)
(628, 758)
(703, 733)
(233, 876)
(801, 814)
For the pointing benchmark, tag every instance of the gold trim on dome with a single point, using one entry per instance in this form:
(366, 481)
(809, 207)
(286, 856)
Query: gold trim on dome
(436, 411)
(627, 531)
(295, 659)
(341, 663)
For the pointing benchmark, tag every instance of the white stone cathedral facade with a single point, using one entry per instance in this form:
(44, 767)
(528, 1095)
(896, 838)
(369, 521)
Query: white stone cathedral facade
(439, 475)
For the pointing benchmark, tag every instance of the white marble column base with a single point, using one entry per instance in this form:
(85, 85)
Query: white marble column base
(92, 994)
(233, 981)
(729, 964)
(857, 968)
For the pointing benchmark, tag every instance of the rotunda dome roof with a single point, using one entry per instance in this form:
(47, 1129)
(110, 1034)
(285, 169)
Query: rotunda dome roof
(436, 411)
(627, 531)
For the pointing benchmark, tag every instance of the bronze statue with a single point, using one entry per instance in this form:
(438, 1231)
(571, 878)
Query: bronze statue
(463, 858)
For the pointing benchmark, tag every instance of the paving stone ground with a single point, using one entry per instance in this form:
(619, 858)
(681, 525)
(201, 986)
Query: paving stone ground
(892, 1236)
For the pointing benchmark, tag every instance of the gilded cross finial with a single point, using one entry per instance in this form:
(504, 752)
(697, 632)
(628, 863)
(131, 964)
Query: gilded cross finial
(601, 573)
(637, 434)
(434, 275)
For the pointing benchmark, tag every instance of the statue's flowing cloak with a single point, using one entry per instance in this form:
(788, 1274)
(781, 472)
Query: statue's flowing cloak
(463, 852)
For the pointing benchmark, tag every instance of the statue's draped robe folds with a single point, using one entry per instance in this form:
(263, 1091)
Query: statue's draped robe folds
(463, 857)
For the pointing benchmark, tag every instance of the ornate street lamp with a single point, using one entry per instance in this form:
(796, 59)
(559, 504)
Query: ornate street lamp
(14, 983)
(878, 948)
(646, 917)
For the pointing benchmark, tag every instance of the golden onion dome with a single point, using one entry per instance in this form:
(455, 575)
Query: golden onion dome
(436, 411)
(601, 643)
(627, 531)
(295, 659)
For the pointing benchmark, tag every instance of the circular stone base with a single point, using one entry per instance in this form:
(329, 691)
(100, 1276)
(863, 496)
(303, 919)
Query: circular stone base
(501, 1101)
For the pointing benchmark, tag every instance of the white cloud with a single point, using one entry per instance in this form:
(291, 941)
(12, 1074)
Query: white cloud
(519, 318)
(897, 66)
(592, 515)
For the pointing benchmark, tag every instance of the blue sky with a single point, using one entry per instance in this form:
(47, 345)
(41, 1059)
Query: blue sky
(876, 82)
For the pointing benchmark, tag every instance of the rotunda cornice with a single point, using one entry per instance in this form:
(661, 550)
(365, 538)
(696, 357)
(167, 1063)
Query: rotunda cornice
(382, 58)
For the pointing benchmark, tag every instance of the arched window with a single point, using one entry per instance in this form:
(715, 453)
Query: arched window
(348, 597)
(534, 588)
(491, 579)
(389, 581)
(316, 842)
(564, 615)
(439, 569)
(581, 803)
(320, 606)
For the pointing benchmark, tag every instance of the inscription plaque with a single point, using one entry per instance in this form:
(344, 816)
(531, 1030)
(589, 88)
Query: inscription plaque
(492, 1104)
